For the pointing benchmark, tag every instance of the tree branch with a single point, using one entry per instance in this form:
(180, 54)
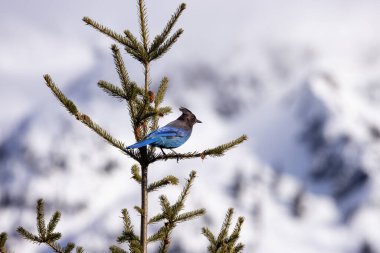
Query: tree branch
(71, 107)
(159, 39)
(213, 152)
(143, 24)
(110, 33)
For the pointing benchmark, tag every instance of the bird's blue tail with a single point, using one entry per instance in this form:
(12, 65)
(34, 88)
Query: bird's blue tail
(142, 143)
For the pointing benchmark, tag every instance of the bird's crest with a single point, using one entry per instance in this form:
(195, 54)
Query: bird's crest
(185, 110)
(188, 116)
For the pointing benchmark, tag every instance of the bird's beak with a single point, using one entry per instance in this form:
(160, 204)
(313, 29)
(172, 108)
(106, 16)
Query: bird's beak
(198, 121)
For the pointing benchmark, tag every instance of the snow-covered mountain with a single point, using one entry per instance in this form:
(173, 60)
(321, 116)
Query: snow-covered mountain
(301, 80)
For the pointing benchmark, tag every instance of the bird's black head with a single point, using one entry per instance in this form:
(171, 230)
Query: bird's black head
(188, 117)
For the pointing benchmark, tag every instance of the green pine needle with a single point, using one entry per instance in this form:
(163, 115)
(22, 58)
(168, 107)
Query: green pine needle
(120, 68)
(168, 180)
(178, 206)
(236, 232)
(156, 218)
(165, 204)
(53, 222)
(112, 90)
(171, 215)
(211, 238)
(126, 220)
(127, 235)
(56, 247)
(41, 219)
(136, 55)
(110, 33)
(138, 209)
(79, 250)
(159, 39)
(226, 225)
(155, 114)
(3, 240)
(116, 249)
(190, 215)
(52, 237)
(224, 242)
(221, 149)
(161, 92)
(67, 103)
(238, 248)
(165, 242)
(137, 46)
(85, 119)
(159, 235)
(163, 111)
(28, 236)
(135, 170)
(159, 52)
(69, 247)
(138, 52)
(143, 24)
(46, 235)
(159, 98)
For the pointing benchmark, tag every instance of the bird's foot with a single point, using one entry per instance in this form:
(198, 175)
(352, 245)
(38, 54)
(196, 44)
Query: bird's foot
(175, 154)
(166, 158)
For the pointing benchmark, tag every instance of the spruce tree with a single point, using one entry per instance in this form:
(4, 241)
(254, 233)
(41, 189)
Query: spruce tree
(145, 110)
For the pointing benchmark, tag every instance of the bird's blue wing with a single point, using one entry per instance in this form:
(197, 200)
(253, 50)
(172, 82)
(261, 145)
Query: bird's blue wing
(166, 131)
(167, 137)
(142, 143)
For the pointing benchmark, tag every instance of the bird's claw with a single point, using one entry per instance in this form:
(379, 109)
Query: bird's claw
(177, 155)
(166, 157)
(164, 154)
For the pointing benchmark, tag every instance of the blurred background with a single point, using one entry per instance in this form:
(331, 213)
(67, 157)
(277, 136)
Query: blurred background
(301, 78)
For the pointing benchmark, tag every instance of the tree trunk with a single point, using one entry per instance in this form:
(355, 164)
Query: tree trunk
(144, 207)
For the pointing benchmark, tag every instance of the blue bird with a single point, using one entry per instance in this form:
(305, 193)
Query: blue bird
(172, 135)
